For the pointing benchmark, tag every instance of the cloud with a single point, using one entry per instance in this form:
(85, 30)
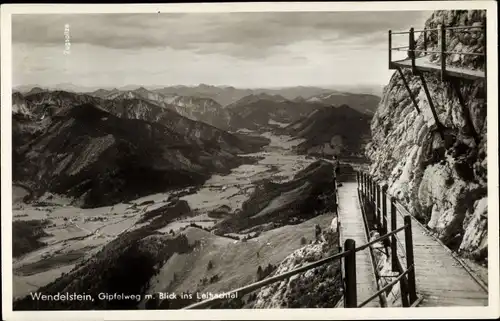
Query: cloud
(239, 35)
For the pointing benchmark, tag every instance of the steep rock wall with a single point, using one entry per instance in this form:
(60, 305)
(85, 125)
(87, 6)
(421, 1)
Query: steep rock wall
(443, 181)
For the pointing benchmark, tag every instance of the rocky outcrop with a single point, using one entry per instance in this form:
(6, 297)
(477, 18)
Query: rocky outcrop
(320, 287)
(19, 105)
(340, 131)
(441, 177)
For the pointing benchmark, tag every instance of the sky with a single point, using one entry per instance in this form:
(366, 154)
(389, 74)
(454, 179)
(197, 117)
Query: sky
(246, 50)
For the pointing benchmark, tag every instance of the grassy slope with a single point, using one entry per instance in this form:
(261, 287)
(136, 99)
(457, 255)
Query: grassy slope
(273, 246)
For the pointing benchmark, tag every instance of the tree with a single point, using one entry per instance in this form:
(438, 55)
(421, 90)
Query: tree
(260, 273)
(318, 232)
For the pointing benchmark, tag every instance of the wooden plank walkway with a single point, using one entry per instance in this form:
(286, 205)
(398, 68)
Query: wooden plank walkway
(352, 227)
(441, 279)
(423, 63)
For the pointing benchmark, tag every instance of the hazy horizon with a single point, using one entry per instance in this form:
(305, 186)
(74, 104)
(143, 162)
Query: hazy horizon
(242, 50)
(156, 86)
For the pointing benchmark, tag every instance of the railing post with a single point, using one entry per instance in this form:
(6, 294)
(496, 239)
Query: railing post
(369, 189)
(335, 192)
(390, 49)
(425, 41)
(357, 180)
(350, 296)
(384, 213)
(366, 185)
(373, 192)
(412, 291)
(363, 184)
(443, 51)
(379, 210)
(394, 250)
(412, 50)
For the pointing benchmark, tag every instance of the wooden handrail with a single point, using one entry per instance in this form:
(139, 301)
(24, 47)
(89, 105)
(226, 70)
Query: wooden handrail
(372, 255)
(442, 29)
(466, 27)
(400, 47)
(425, 30)
(381, 238)
(439, 52)
(400, 32)
(408, 284)
(436, 29)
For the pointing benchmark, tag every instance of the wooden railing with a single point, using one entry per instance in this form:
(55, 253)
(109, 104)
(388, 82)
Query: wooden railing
(376, 197)
(412, 50)
(406, 277)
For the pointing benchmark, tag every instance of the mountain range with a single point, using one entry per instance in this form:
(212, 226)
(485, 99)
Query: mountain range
(223, 95)
(97, 150)
(90, 144)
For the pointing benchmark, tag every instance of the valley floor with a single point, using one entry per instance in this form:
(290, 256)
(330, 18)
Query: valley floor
(75, 234)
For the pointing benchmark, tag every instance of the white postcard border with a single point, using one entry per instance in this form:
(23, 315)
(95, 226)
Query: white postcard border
(492, 311)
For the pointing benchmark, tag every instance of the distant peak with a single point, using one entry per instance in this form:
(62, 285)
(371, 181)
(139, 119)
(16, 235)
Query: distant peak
(36, 90)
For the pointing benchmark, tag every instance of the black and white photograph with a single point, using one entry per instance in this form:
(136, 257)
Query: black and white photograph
(247, 157)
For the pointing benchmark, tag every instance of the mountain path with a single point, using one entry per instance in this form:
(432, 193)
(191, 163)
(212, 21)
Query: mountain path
(352, 227)
(441, 279)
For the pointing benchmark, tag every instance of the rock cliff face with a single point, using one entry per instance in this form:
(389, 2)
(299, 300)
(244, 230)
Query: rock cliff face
(444, 181)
